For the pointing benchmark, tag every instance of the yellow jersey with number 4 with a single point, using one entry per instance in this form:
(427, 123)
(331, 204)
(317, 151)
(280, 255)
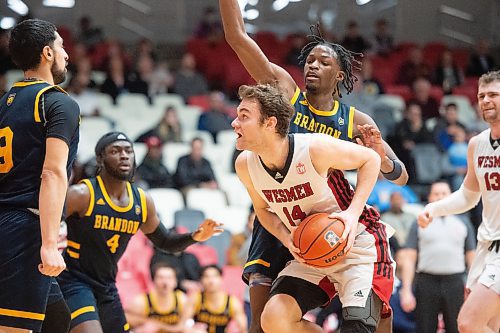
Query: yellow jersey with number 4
(97, 240)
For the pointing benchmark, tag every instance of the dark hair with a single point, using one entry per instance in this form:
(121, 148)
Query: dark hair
(272, 104)
(159, 265)
(451, 105)
(27, 41)
(197, 138)
(489, 77)
(345, 58)
(206, 268)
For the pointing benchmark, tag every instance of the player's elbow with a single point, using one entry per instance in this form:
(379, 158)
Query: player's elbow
(235, 38)
(53, 174)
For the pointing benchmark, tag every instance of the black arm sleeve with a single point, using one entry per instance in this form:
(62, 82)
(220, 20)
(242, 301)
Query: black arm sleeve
(62, 116)
(170, 241)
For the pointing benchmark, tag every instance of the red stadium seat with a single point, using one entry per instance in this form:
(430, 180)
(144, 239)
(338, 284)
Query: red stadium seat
(401, 90)
(233, 284)
(235, 75)
(437, 93)
(461, 58)
(199, 100)
(468, 91)
(297, 74)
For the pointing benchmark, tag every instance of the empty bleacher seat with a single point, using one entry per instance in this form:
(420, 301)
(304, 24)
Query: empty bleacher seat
(172, 152)
(91, 130)
(188, 218)
(208, 201)
(220, 243)
(236, 192)
(167, 202)
(428, 163)
(234, 218)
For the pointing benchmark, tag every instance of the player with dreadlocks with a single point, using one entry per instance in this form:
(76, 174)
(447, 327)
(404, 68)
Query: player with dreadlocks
(103, 213)
(317, 109)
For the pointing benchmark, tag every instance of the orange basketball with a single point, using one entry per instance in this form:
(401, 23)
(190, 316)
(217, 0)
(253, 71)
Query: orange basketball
(317, 238)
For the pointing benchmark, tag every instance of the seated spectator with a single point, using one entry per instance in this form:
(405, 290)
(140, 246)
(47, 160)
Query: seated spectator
(409, 132)
(482, 60)
(85, 97)
(353, 41)
(445, 127)
(413, 68)
(216, 118)
(88, 34)
(397, 218)
(382, 191)
(447, 74)
(212, 309)
(457, 156)
(116, 81)
(478, 125)
(160, 309)
(161, 79)
(210, 26)
(383, 41)
(188, 81)
(186, 265)
(371, 86)
(145, 47)
(168, 129)
(152, 171)
(194, 170)
(421, 96)
(139, 80)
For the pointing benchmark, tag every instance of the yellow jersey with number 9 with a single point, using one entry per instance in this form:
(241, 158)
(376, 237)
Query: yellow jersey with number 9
(98, 240)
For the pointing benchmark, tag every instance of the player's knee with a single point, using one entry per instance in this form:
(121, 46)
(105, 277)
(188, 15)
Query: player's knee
(466, 324)
(274, 318)
(356, 326)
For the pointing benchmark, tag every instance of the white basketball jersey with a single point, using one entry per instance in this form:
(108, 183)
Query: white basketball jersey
(302, 191)
(487, 167)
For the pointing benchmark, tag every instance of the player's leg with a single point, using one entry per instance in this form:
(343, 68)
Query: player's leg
(291, 298)
(481, 307)
(24, 290)
(111, 312)
(385, 325)
(266, 258)
(82, 304)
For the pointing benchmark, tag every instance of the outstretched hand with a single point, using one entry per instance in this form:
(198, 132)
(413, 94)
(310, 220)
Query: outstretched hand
(371, 138)
(206, 230)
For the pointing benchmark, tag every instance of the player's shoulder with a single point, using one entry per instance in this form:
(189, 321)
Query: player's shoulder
(240, 164)
(81, 189)
(55, 97)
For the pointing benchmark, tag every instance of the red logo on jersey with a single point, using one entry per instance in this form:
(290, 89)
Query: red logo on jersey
(301, 168)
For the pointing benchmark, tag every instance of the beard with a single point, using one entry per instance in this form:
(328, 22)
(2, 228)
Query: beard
(117, 173)
(58, 75)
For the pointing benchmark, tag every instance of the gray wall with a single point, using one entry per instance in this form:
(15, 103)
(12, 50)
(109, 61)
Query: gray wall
(172, 21)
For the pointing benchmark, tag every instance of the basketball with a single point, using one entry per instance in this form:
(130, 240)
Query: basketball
(317, 239)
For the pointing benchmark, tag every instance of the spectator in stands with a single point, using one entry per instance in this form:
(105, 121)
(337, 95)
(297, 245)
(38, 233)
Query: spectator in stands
(188, 81)
(152, 171)
(413, 68)
(383, 41)
(116, 79)
(382, 191)
(161, 80)
(457, 157)
(78, 52)
(186, 265)
(481, 61)
(78, 88)
(139, 80)
(409, 132)
(88, 34)
(297, 42)
(213, 308)
(446, 127)
(84, 67)
(5, 61)
(216, 118)
(210, 26)
(447, 74)
(421, 96)
(353, 41)
(145, 47)
(194, 170)
(397, 218)
(158, 310)
(168, 129)
(371, 86)
(439, 255)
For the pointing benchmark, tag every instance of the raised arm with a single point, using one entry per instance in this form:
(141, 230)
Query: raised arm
(391, 167)
(249, 53)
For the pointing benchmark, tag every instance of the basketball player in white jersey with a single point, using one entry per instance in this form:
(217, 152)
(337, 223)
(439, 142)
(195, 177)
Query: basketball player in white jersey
(288, 175)
(481, 310)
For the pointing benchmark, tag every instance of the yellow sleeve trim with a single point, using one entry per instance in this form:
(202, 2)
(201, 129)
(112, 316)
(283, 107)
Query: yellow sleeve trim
(295, 96)
(258, 262)
(72, 254)
(81, 311)
(27, 83)
(37, 100)
(74, 245)
(92, 197)
(22, 314)
(126, 327)
(144, 206)
(350, 125)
